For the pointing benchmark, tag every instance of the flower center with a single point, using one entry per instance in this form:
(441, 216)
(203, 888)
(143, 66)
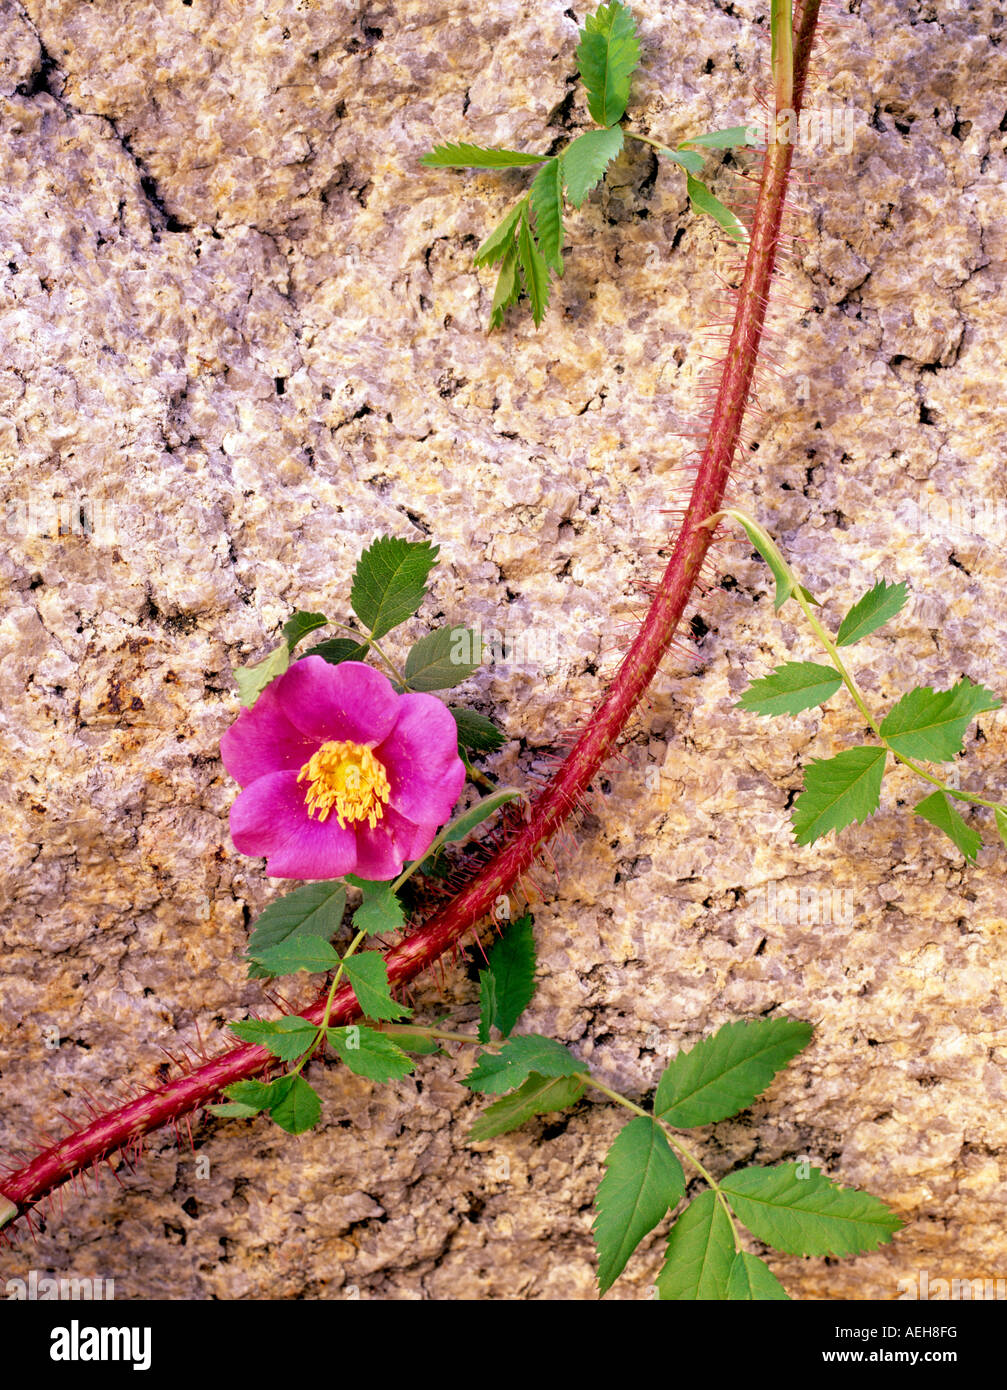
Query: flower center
(346, 777)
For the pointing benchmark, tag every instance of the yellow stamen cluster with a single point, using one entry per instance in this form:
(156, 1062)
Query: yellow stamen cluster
(345, 777)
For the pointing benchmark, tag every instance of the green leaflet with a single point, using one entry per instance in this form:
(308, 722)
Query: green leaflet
(233, 1110)
(688, 159)
(586, 159)
(724, 1073)
(508, 288)
(507, 986)
(487, 1003)
(724, 139)
(704, 201)
(500, 239)
(368, 975)
(807, 1215)
(463, 827)
(607, 56)
(369, 1053)
(338, 650)
(791, 688)
(252, 680)
(250, 1095)
(296, 1106)
(876, 608)
(838, 791)
(643, 1181)
(534, 270)
(314, 909)
(464, 156)
(939, 811)
(751, 1279)
(1001, 822)
(292, 1103)
(515, 1062)
(931, 724)
(547, 204)
(380, 911)
(443, 659)
(286, 1038)
(538, 1095)
(299, 624)
(296, 953)
(389, 582)
(785, 584)
(477, 733)
(700, 1252)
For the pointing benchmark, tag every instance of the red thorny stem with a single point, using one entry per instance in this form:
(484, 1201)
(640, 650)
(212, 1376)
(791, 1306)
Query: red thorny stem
(166, 1104)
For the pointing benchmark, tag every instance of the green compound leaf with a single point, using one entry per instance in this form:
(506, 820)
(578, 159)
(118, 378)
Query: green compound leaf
(791, 688)
(338, 650)
(938, 811)
(252, 680)
(607, 56)
(463, 156)
(539, 1095)
(703, 201)
(807, 1215)
(380, 911)
(752, 1280)
(305, 952)
(476, 733)
(837, 791)
(443, 658)
(296, 1106)
(586, 159)
(369, 1053)
(368, 975)
(724, 1073)
(515, 1062)
(877, 607)
(287, 1038)
(508, 288)
(389, 583)
(547, 202)
(931, 724)
(299, 624)
(534, 270)
(500, 239)
(725, 139)
(700, 1253)
(506, 988)
(643, 1181)
(315, 909)
(1000, 817)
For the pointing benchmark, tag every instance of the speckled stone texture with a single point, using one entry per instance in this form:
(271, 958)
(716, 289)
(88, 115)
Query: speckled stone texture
(240, 335)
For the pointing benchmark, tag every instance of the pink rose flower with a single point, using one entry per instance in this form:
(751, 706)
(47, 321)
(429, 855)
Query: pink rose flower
(340, 774)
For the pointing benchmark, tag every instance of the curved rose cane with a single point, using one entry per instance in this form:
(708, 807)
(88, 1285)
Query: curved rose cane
(125, 1126)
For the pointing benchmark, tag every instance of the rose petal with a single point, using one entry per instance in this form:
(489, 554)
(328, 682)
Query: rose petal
(262, 739)
(420, 758)
(381, 852)
(349, 701)
(270, 818)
